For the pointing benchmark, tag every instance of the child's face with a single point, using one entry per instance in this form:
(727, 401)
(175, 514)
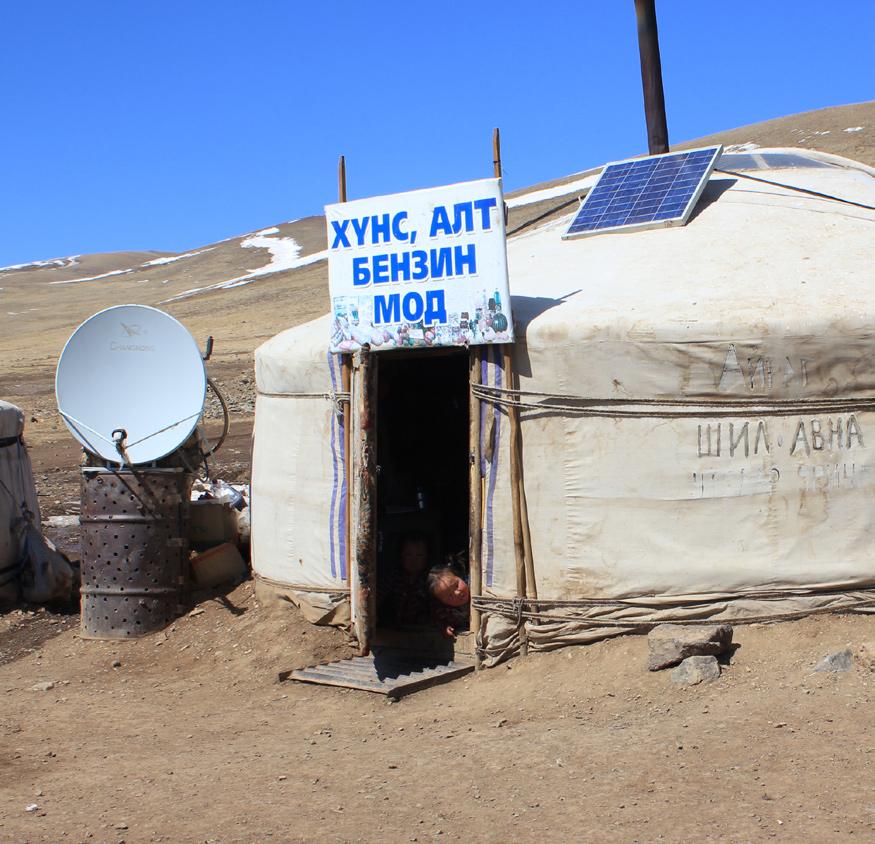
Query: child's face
(414, 556)
(451, 590)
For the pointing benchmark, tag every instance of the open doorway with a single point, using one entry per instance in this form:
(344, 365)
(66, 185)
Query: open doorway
(422, 487)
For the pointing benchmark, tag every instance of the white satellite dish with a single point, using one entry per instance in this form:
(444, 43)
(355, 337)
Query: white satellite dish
(131, 377)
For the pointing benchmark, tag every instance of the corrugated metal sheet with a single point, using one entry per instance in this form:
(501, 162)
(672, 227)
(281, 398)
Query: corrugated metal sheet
(387, 672)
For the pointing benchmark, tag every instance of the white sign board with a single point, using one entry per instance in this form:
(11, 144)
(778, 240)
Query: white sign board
(419, 269)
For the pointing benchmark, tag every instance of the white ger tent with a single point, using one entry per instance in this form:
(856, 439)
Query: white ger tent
(696, 411)
(17, 497)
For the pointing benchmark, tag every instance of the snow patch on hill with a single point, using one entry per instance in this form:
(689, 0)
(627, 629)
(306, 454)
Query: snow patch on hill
(284, 251)
(64, 263)
(93, 277)
(551, 193)
(157, 262)
(285, 254)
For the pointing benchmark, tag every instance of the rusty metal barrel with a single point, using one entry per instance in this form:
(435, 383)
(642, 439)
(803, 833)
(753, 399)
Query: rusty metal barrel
(134, 550)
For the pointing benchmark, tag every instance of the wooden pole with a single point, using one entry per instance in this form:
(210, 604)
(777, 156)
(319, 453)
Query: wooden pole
(651, 76)
(475, 479)
(366, 501)
(515, 497)
(475, 495)
(364, 560)
(521, 539)
(531, 585)
(346, 386)
(513, 417)
(496, 153)
(341, 179)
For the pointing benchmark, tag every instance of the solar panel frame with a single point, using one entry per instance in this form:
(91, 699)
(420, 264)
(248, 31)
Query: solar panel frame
(675, 213)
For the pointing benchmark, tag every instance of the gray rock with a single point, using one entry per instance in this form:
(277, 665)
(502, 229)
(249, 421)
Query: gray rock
(43, 686)
(670, 644)
(696, 669)
(839, 661)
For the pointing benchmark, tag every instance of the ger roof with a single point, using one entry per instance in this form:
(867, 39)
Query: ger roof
(754, 259)
(750, 247)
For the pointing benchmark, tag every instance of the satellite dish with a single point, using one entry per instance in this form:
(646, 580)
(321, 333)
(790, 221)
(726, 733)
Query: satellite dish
(131, 377)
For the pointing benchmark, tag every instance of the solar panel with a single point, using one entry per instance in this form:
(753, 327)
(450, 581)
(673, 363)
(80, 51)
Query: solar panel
(660, 190)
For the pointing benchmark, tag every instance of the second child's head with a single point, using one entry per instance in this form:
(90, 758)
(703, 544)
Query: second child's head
(413, 554)
(448, 588)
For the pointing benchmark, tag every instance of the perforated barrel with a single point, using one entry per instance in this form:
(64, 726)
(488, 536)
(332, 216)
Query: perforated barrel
(134, 550)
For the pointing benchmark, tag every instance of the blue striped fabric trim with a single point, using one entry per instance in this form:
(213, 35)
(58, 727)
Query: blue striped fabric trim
(342, 533)
(484, 379)
(334, 466)
(493, 469)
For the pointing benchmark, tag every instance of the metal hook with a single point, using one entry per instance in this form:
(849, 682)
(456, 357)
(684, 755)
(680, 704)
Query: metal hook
(119, 436)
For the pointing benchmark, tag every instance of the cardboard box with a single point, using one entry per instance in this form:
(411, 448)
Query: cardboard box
(222, 564)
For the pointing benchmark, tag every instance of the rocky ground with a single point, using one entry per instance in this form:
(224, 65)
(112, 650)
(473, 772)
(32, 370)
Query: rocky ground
(189, 736)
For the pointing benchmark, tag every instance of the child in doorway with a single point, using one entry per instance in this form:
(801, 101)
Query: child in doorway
(450, 599)
(407, 590)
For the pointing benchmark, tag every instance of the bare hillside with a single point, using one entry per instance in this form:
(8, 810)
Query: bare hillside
(244, 290)
(848, 131)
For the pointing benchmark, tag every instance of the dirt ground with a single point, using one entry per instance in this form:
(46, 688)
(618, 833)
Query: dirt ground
(190, 737)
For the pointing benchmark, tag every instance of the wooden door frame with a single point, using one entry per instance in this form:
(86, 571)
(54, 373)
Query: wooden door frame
(364, 508)
(363, 525)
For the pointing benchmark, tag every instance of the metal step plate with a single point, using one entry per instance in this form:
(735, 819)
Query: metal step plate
(386, 672)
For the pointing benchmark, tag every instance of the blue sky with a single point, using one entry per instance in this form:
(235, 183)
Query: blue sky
(171, 125)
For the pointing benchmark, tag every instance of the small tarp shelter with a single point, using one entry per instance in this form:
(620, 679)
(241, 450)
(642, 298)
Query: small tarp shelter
(697, 413)
(18, 500)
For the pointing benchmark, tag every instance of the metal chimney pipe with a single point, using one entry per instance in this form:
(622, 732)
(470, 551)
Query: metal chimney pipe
(651, 76)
